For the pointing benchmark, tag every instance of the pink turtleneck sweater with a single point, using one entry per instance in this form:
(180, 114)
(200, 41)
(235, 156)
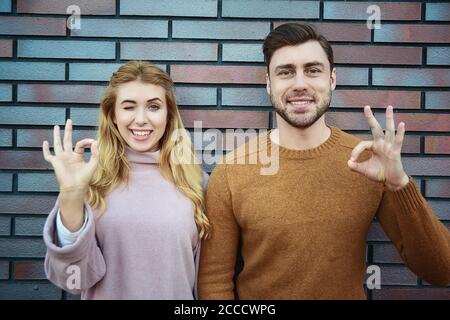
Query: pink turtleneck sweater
(145, 246)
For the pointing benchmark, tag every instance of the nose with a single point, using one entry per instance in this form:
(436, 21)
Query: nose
(300, 82)
(141, 116)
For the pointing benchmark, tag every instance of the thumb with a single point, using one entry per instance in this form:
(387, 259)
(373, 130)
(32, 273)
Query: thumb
(355, 166)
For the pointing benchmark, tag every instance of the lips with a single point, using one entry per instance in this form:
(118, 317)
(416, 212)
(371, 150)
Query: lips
(300, 103)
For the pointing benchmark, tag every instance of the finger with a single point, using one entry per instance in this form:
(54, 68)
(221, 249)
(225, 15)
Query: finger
(93, 161)
(46, 152)
(399, 137)
(375, 127)
(57, 140)
(390, 125)
(79, 147)
(360, 147)
(68, 136)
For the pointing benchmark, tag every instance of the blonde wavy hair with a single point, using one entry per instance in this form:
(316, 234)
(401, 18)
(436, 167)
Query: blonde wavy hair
(175, 143)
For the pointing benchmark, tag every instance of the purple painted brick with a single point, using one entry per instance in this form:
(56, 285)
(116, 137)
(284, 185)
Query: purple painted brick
(29, 226)
(411, 77)
(26, 204)
(358, 10)
(397, 275)
(437, 100)
(27, 270)
(220, 29)
(386, 253)
(192, 8)
(271, 9)
(6, 181)
(5, 226)
(32, 26)
(60, 93)
(31, 70)
(255, 97)
(6, 48)
(437, 11)
(426, 166)
(32, 115)
(66, 49)
(441, 208)
(23, 160)
(188, 51)
(437, 188)
(196, 96)
(251, 52)
(438, 55)
(118, 28)
(37, 182)
(87, 7)
(5, 137)
(376, 233)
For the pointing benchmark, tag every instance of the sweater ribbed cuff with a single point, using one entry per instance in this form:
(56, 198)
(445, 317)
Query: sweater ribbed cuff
(408, 197)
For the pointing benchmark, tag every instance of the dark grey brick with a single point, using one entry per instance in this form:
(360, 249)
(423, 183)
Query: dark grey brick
(43, 182)
(23, 248)
(29, 226)
(29, 291)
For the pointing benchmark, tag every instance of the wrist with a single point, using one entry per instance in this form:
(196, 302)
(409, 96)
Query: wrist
(397, 185)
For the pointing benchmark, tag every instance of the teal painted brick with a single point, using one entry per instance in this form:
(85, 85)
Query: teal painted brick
(85, 116)
(31, 70)
(21, 290)
(6, 182)
(66, 49)
(38, 182)
(5, 6)
(29, 226)
(411, 77)
(4, 270)
(130, 28)
(352, 76)
(245, 97)
(32, 115)
(220, 30)
(23, 248)
(192, 8)
(438, 55)
(271, 9)
(251, 52)
(5, 92)
(437, 11)
(196, 96)
(5, 136)
(35, 137)
(92, 71)
(5, 226)
(437, 100)
(168, 51)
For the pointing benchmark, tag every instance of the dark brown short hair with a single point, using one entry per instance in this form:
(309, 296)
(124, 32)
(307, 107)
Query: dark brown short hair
(292, 34)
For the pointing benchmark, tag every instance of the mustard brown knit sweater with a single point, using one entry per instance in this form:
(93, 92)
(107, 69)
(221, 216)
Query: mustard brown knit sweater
(303, 230)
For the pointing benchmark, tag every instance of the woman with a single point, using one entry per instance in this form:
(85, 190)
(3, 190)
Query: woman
(128, 223)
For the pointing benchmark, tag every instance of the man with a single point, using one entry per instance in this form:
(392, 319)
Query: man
(303, 230)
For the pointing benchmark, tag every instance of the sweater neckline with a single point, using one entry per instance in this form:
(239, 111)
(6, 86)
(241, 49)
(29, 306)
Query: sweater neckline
(142, 157)
(324, 148)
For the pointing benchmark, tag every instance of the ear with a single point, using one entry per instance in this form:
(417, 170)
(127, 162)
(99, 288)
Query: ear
(333, 79)
(268, 84)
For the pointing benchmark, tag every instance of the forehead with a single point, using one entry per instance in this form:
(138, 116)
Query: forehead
(138, 90)
(299, 55)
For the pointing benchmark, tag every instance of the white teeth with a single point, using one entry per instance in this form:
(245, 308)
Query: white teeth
(141, 133)
(300, 103)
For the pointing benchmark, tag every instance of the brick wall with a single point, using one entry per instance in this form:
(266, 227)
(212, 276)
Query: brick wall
(212, 49)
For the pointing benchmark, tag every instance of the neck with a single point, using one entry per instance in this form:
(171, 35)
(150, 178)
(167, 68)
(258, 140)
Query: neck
(294, 138)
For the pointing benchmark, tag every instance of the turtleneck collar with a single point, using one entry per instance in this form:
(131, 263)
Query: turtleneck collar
(325, 147)
(142, 157)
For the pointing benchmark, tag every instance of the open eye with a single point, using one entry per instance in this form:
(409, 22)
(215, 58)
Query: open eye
(284, 72)
(314, 71)
(153, 107)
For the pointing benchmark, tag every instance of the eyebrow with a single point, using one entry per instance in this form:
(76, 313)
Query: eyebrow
(306, 65)
(132, 101)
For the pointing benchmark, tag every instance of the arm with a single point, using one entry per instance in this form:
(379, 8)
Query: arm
(78, 266)
(421, 239)
(218, 256)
